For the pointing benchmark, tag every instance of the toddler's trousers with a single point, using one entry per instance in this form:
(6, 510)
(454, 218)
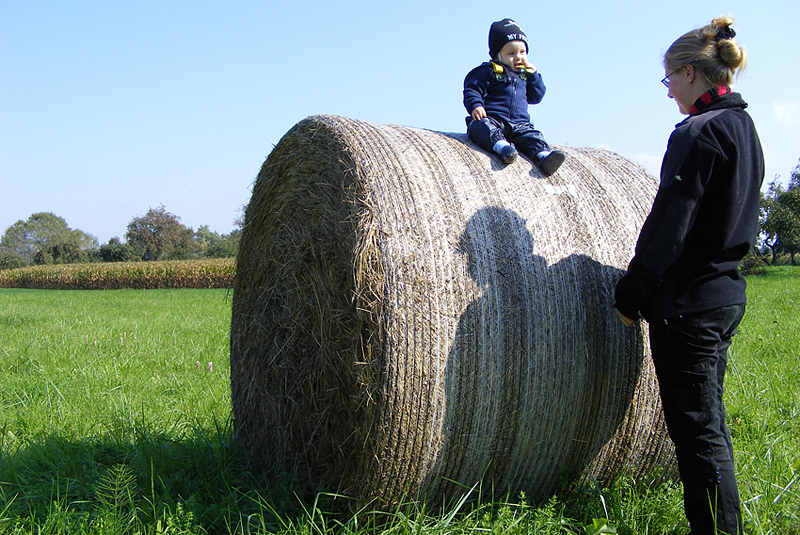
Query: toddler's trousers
(488, 131)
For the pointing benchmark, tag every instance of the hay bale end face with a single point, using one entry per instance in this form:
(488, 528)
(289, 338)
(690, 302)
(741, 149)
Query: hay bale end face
(410, 316)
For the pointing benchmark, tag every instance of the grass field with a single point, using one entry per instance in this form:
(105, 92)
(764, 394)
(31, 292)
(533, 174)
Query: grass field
(115, 418)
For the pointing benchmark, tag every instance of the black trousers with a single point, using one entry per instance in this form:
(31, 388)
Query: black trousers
(690, 356)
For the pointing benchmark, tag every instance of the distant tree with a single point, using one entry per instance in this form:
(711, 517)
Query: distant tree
(213, 245)
(227, 247)
(780, 216)
(65, 252)
(84, 241)
(768, 218)
(40, 232)
(239, 221)
(753, 264)
(116, 251)
(790, 201)
(205, 238)
(9, 260)
(160, 235)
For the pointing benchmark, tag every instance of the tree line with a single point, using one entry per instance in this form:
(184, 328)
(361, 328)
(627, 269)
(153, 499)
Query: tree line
(780, 217)
(45, 238)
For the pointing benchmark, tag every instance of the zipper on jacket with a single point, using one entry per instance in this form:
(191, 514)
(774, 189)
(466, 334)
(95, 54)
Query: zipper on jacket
(513, 110)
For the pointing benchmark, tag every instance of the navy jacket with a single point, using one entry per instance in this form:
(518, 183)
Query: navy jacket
(504, 96)
(704, 217)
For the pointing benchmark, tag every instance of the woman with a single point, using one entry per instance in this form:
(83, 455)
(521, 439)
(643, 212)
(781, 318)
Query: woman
(684, 278)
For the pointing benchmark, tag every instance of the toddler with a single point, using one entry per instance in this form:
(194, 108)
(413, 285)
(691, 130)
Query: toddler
(497, 94)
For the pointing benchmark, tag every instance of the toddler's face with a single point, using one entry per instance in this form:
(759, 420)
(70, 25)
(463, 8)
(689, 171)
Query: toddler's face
(514, 55)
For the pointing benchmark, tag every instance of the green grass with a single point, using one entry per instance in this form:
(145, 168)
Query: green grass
(112, 422)
(763, 402)
(79, 363)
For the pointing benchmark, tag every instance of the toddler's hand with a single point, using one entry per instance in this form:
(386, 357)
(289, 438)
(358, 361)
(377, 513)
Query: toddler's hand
(478, 113)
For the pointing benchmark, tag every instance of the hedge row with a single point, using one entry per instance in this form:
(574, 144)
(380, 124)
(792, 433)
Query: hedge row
(210, 273)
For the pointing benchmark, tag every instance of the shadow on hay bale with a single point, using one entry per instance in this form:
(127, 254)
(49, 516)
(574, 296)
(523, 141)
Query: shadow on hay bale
(410, 316)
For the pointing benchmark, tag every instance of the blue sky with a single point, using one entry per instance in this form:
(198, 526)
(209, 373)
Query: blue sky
(109, 108)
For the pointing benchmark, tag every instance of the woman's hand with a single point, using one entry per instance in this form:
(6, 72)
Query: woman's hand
(626, 321)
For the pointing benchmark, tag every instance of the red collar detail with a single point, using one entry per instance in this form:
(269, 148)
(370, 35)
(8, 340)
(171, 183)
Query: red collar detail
(708, 97)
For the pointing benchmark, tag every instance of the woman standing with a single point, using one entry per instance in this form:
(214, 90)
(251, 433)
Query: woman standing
(684, 278)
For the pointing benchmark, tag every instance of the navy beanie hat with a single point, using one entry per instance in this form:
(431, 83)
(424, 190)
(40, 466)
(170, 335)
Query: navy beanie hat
(501, 33)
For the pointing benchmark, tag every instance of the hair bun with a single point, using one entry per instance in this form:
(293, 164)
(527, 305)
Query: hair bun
(725, 32)
(712, 49)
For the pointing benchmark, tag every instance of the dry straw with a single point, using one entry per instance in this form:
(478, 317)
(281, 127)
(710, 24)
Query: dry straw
(410, 317)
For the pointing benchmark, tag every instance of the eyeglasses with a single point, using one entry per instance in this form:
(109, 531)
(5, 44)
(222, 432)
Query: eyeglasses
(665, 80)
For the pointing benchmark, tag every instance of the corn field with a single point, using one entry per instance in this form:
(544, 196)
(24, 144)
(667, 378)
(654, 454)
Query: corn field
(210, 273)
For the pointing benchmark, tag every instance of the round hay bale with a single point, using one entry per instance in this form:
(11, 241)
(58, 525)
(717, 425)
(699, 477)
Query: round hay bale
(410, 317)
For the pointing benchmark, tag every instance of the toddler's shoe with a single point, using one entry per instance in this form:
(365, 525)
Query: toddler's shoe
(508, 154)
(550, 163)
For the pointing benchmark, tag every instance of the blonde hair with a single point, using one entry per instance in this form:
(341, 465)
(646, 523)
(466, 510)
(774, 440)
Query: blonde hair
(712, 50)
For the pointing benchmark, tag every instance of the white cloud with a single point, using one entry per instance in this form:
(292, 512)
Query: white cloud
(650, 163)
(787, 112)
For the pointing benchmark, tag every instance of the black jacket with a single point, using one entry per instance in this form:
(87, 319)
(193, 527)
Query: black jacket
(704, 217)
(504, 95)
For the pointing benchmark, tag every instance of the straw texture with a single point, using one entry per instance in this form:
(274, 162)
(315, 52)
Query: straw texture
(410, 317)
